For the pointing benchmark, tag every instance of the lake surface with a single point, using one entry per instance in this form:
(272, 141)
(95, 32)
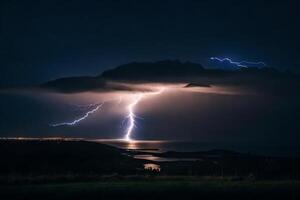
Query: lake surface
(188, 146)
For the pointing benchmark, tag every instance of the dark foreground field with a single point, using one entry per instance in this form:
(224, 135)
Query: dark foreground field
(157, 188)
(63, 169)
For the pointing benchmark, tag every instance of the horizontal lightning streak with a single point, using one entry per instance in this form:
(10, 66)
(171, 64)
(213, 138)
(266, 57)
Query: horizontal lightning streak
(239, 64)
(80, 119)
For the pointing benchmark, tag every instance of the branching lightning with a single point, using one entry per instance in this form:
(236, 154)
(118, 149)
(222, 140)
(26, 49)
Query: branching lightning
(98, 106)
(131, 117)
(238, 64)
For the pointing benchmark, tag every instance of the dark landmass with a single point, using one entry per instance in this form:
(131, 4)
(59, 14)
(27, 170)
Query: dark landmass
(60, 169)
(164, 187)
(197, 85)
(59, 157)
(229, 163)
(43, 157)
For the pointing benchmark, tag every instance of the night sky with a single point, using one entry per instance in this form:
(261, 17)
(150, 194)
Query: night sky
(42, 40)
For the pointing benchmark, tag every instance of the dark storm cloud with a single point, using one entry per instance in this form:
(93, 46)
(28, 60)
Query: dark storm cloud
(42, 40)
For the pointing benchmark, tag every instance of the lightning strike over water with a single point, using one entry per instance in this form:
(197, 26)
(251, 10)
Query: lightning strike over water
(244, 64)
(80, 119)
(132, 116)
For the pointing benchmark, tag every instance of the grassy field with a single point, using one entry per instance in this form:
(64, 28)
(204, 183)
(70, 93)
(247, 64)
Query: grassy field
(156, 188)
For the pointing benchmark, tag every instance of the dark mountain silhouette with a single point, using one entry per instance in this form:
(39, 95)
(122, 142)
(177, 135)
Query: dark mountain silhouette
(168, 70)
(81, 84)
(197, 85)
(174, 71)
(154, 70)
(75, 83)
(163, 71)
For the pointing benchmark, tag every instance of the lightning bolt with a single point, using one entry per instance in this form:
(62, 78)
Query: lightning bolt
(239, 64)
(79, 119)
(131, 117)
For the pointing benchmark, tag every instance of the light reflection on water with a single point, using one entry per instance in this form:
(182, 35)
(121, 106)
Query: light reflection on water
(162, 159)
(146, 147)
(141, 145)
(159, 146)
(152, 167)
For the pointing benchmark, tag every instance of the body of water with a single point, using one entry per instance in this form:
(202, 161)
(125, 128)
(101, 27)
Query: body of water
(149, 146)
